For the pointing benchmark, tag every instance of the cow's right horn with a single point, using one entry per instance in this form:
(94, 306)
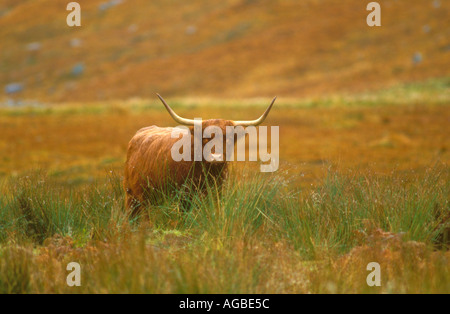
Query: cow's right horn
(259, 120)
(176, 117)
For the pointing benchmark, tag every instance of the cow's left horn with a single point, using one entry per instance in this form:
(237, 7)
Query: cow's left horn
(176, 117)
(259, 120)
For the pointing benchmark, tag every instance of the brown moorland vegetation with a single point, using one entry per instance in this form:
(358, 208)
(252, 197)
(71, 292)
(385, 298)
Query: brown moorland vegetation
(354, 186)
(364, 149)
(380, 131)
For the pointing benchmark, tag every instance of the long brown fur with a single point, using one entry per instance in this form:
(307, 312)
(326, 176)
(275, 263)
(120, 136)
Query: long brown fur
(150, 169)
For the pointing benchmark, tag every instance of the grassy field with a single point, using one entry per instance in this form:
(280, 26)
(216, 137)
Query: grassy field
(363, 178)
(364, 145)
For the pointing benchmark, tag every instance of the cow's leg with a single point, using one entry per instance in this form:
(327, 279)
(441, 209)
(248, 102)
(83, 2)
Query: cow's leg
(132, 204)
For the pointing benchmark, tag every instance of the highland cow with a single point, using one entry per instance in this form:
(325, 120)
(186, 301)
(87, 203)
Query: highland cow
(151, 170)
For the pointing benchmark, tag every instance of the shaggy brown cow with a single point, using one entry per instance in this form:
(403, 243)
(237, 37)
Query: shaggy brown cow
(150, 169)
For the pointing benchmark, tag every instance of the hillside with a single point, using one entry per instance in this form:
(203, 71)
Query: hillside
(228, 49)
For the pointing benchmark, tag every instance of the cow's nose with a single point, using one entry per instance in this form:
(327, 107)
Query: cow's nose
(214, 157)
(217, 157)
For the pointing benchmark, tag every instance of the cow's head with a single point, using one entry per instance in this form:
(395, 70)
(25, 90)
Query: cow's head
(221, 123)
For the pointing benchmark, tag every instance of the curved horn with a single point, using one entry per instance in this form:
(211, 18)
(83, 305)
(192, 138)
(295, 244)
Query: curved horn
(259, 120)
(176, 117)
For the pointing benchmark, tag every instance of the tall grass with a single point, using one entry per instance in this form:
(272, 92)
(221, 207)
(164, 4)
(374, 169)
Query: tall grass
(331, 216)
(253, 234)
(35, 208)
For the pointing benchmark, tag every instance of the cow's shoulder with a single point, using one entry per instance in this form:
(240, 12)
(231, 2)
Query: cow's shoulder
(158, 131)
(151, 135)
(152, 131)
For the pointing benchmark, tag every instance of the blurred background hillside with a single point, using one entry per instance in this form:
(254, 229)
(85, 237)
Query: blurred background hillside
(364, 145)
(229, 49)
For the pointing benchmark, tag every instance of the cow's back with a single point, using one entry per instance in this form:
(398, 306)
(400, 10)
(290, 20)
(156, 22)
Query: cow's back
(149, 164)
